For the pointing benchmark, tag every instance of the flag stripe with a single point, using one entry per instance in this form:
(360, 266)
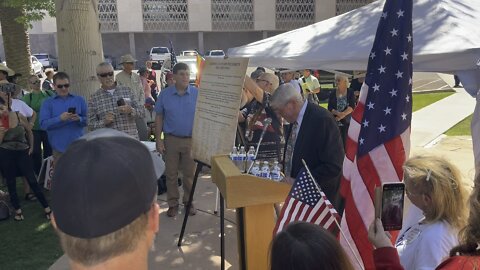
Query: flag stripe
(357, 229)
(306, 202)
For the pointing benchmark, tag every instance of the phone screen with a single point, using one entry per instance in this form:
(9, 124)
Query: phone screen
(393, 195)
(72, 110)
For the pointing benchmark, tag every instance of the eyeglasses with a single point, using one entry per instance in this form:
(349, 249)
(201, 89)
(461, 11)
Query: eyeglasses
(108, 74)
(61, 86)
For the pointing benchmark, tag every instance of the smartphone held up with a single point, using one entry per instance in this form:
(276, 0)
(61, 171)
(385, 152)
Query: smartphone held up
(72, 110)
(389, 201)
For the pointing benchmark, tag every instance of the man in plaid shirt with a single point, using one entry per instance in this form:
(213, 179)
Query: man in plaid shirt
(113, 106)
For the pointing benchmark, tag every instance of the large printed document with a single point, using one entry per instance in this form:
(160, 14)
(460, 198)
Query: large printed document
(218, 102)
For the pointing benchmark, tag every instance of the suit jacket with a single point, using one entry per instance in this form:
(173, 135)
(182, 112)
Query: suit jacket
(319, 143)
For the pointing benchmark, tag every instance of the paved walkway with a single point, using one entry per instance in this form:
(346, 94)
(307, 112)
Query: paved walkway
(201, 249)
(432, 121)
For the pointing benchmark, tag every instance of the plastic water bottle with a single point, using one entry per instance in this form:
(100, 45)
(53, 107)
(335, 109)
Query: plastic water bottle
(265, 172)
(250, 157)
(242, 159)
(234, 155)
(256, 169)
(275, 173)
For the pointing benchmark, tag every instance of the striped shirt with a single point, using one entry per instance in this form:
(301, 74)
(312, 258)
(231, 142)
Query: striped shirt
(102, 102)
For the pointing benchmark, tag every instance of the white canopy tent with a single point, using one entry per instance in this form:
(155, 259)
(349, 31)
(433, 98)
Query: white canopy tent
(446, 38)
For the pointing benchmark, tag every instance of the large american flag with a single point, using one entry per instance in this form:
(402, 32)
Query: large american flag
(378, 140)
(306, 202)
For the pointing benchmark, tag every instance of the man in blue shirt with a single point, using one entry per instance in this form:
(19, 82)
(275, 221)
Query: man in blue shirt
(63, 116)
(175, 110)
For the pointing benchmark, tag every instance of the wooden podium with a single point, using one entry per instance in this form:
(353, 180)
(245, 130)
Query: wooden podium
(254, 199)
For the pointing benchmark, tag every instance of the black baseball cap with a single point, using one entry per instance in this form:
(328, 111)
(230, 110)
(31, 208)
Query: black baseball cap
(103, 182)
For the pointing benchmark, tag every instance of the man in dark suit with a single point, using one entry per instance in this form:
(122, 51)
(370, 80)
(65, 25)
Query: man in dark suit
(313, 136)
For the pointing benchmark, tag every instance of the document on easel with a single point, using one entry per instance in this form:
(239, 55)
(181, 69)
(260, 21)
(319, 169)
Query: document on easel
(218, 103)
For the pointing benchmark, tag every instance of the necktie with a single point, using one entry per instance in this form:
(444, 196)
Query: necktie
(289, 151)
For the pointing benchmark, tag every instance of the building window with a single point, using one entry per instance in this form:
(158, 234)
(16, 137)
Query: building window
(165, 15)
(292, 14)
(347, 5)
(107, 14)
(232, 15)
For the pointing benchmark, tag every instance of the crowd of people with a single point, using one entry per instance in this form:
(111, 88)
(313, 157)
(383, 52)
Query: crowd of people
(129, 108)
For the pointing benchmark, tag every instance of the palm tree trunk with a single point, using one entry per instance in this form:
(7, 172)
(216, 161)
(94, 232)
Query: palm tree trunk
(79, 43)
(16, 42)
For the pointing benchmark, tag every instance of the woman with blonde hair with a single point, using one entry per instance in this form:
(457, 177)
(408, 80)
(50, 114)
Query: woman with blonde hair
(434, 185)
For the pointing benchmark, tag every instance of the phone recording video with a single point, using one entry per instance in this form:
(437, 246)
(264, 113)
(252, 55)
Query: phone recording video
(72, 110)
(389, 202)
(392, 199)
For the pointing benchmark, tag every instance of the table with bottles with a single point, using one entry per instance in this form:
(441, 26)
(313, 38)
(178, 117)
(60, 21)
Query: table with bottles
(246, 163)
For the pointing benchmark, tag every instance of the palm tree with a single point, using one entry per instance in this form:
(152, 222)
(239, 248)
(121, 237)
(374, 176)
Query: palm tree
(15, 41)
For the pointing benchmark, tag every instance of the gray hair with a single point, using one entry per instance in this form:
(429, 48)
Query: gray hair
(343, 78)
(285, 93)
(103, 64)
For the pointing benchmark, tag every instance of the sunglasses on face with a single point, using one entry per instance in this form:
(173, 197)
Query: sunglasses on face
(61, 86)
(108, 74)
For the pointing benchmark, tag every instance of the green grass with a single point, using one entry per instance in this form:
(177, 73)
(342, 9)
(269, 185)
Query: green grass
(31, 243)
(421, 100)
(462, 128)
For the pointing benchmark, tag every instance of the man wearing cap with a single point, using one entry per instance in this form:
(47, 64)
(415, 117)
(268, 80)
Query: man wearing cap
(175, 110)
(113, 106)
(130, 79)
(63, 116)
(99, 229)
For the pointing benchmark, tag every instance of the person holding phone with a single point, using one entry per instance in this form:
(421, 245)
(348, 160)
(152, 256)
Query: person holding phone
(434, 185)
(63, 116)
(113, 106)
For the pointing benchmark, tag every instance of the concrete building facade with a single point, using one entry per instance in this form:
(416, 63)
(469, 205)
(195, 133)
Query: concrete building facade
(134, 26)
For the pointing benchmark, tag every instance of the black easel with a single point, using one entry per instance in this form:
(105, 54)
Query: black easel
(222, 215)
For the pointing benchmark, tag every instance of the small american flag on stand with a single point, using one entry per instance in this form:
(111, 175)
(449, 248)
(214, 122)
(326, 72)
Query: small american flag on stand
(306, 202)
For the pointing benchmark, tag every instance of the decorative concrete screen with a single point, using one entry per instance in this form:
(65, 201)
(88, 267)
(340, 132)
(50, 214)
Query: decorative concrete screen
(292, 14)
(347, 5)
(107, 14)
(165, 15)
(232, 15)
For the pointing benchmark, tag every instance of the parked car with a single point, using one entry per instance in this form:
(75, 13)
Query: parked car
(37, 67)
(189, 53)
(47, 60)
(215, 54)
(158, 55)
(190, 61)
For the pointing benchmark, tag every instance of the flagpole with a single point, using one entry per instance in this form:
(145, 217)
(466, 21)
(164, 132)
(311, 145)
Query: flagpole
(336, 222)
